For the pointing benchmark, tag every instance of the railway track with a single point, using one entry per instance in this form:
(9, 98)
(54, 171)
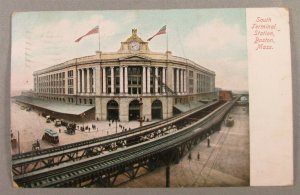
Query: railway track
(91, 141)
(70, 173)
(32, 161)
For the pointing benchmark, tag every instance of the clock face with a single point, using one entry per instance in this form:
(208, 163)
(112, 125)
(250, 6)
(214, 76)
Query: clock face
(134, 46)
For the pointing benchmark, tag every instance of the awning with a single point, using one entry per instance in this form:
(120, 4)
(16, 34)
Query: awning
(188, 106)
(55, 106)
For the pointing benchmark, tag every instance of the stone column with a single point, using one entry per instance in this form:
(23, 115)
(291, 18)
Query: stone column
(66, 83)
(98, 80)
(126, 80)
(74, 81)
(104, 79)
(144, 80)
(177, 80)
(156, 80)
(112, 79)
(49, 83)
(88, 81)
(184, 81)
(148, 80)
(94, 80)
(85, 72)
(78, 81)
(181, 81)
(163, 80)
(121, 80)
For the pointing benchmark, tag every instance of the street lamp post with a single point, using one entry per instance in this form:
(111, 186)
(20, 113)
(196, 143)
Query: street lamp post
(141, 119)
(82, 116)
(117, 125)
(19, 148)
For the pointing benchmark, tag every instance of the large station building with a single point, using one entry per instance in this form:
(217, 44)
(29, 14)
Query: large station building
(131, 83)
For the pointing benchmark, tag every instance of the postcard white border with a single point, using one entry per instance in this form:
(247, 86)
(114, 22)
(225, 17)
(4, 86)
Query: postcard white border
(270, 88)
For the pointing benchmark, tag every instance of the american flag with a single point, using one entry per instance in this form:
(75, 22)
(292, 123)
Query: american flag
(93, 31)
(163, 30)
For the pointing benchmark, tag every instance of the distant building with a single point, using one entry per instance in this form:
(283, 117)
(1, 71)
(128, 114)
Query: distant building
(225, 95)
(114, 83)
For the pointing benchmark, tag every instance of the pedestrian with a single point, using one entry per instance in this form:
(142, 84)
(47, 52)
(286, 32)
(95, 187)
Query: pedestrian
(37, 143)
(190, 156)
(208, 141)
(198, 156)
(59, 130)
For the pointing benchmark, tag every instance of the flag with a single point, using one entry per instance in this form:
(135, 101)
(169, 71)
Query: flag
(163, 30)
(93, 31)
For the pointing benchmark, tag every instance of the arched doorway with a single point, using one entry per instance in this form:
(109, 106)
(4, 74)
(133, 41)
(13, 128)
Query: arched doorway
(112, 110)
(156, 109)
(134, 110)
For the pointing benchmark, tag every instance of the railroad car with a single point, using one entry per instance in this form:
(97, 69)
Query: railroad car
(51, 136)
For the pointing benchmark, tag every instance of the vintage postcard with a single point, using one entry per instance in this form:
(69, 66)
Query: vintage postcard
(151, 98)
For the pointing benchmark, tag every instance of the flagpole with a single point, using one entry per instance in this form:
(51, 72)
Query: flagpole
(99, 37)
(167, 42)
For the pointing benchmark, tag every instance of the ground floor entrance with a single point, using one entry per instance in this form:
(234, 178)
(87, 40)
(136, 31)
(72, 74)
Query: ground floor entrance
(112, 110)
(156, 110)
(134, 110)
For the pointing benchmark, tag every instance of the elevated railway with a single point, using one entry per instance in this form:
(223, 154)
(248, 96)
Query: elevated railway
(104, 169)
(36, 160)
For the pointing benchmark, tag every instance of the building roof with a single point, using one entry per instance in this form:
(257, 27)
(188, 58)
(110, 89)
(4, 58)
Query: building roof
(55, 106)
(51, 132)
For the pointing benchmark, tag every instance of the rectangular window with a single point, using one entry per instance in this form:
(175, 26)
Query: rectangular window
(134, 90)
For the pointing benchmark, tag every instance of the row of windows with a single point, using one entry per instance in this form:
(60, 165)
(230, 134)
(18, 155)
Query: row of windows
(54, 83)
(69, 100)
(204, 83)
(52, 90)
(45, 85)
(135, 80)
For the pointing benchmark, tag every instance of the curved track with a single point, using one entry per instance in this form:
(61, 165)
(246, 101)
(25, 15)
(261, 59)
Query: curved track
(100, 139)
(54, 156)
(67, 173)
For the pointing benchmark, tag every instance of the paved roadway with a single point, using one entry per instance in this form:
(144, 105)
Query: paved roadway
(31, 128)
(225, 163)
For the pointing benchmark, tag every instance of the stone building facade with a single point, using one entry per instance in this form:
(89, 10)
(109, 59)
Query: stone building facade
(131, 83)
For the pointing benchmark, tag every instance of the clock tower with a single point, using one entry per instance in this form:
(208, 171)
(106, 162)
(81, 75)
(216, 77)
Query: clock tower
(134, 44)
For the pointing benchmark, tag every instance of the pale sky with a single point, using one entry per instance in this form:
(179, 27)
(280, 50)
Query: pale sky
(213, 38)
